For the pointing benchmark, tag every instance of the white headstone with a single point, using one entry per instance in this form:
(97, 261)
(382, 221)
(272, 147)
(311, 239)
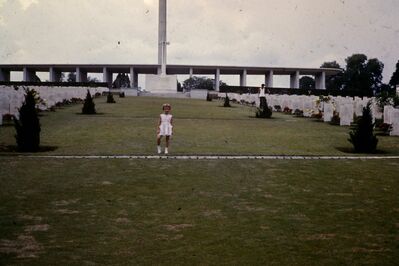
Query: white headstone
(387, 114)
(328, 112)
(395, 122)
(346, 114)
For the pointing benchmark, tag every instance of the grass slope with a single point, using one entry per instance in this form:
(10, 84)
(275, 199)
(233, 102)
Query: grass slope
(201, 127)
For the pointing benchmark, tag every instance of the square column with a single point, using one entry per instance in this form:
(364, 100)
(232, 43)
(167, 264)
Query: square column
(81, 76)
(269, 79)
(134, 78)
(191, 72)
(4, 75)
(320, 81)
(55, 75)
(294, 80)
(243, 78)
(107, 76)
(217, 80)
(28, 75)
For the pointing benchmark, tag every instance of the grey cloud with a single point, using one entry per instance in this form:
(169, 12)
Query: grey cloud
(233, 32)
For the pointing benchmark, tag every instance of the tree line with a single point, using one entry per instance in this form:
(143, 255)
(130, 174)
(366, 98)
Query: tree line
(361, 75)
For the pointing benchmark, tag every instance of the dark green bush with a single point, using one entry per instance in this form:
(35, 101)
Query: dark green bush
(89, 106)
(264, 111)
(226, 101)
(110, 98)
(28, 125)
(362, 136)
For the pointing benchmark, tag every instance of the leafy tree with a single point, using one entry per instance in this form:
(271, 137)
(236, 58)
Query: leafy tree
(333, 82)
(71, 77)
(307, 82)
(36, 78)
(28, 125)
(363, 76)
(122, 81)
(92, 80)
(200, 83)
(89, 106)
(362, 136)
(395, 77)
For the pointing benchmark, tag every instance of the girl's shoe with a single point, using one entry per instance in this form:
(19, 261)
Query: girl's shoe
(159, 149)
(166, 151)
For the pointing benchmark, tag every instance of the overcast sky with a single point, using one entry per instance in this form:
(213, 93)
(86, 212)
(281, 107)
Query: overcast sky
(290, 33)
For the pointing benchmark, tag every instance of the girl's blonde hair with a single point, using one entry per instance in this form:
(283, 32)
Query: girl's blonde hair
(166, 105)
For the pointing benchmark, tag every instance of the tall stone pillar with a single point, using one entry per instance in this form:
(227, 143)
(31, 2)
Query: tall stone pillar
(320, 80)
(294, 80)
(28, 74)
(217, 80)
(191, 72)
(107, 77)
(81, 75)
(243, 78)
(134, 78)
(4, 75)
(162, 36)
(269, 79)
(55, 75)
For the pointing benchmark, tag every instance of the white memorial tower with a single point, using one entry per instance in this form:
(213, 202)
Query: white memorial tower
(162, 83)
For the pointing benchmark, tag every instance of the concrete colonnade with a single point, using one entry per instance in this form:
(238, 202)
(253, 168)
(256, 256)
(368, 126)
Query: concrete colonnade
(55, 73)
(294, 80)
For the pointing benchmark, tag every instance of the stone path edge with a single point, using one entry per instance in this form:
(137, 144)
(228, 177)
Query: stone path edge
(208, 157)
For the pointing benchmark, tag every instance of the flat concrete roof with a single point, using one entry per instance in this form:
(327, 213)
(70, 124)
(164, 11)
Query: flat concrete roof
(172, 69)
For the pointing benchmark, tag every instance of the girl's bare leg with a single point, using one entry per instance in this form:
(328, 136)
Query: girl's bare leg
(159, 140)
(167, 141)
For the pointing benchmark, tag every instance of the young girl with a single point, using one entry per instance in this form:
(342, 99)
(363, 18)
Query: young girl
(165, 127)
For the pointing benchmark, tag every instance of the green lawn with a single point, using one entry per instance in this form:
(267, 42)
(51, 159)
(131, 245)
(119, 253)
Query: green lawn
(223, 212)
(128, 212)
(201, 127)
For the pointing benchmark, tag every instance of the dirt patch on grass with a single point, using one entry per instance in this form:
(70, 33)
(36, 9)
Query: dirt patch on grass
(30, 218)
(122, 220)
(66, 211)
(320, 237)
(37, 228)
(246, 207)
(177, 227)
(213, 214)
(370, 250)
(25, 246)
(65, 202)
(107, 183)
(340, 194)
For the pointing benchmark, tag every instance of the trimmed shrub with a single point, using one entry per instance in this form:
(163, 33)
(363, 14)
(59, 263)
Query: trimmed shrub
(122, 95)
(277, 108)
(88, 106)
(264, 111)
(362, 136)
(28, 125)
(110, 98)
(298, 113)
(208, 97)
(226, 101)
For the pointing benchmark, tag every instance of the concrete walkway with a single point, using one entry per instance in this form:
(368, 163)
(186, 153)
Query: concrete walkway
(210, 157)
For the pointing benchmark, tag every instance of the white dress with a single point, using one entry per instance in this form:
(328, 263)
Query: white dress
(165, 129)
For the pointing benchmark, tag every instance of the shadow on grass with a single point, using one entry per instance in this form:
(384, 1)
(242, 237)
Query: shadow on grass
(14, 149)
(352, 151)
